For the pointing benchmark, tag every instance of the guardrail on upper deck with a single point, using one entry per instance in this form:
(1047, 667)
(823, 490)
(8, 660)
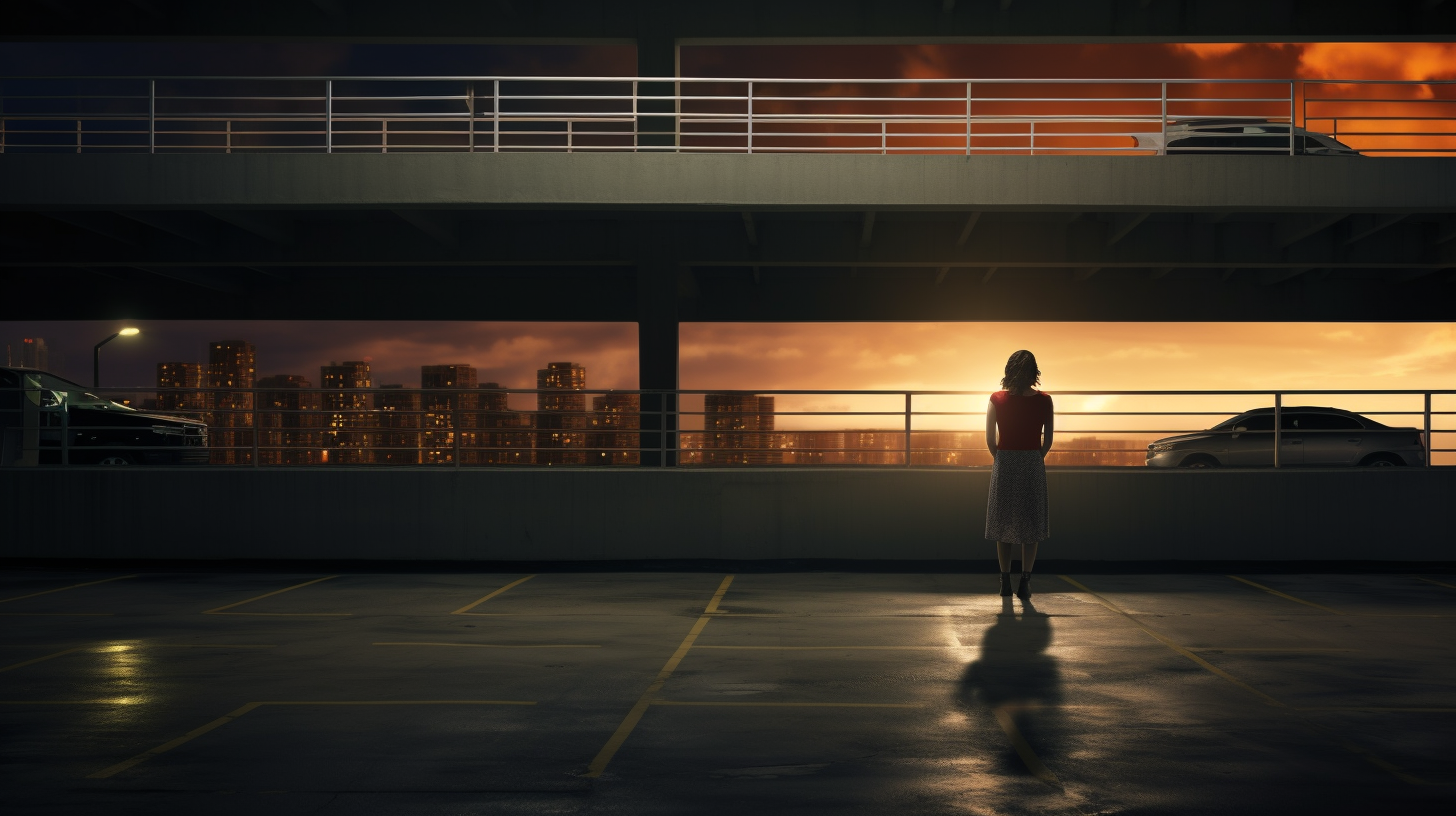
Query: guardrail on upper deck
(705, 114)
(300, 426)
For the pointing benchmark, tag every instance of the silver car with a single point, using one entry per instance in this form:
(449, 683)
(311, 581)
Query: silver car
(1241, 135)
(1308, 437)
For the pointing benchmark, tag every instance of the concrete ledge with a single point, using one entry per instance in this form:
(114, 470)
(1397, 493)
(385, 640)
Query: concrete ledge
(705, 181)
(588, 515)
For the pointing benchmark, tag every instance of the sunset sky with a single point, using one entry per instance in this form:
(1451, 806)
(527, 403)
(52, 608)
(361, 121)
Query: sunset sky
(803, 356)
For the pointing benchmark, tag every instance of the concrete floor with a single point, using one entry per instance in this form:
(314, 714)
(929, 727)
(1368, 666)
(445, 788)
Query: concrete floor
(658, 693)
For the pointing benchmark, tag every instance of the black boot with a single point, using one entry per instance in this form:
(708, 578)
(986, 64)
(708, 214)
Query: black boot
(1024, 591)
(1006, 585)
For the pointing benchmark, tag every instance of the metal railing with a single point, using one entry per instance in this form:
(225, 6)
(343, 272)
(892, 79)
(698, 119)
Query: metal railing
(703, 114)
(263, 427)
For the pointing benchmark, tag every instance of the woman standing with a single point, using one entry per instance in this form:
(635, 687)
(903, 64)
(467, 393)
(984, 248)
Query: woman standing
(1018, 434)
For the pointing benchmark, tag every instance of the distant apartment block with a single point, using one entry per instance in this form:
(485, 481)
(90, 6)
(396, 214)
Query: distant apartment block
(29, 352)
(561, 416)
(448, 392)
(290, 424)
(738, 430)
(614, 425)
(186, 379)
(231, 369)
(348, 420)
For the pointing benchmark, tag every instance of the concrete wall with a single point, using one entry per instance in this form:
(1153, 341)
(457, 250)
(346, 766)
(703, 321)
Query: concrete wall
(588, 514)
(702, 181)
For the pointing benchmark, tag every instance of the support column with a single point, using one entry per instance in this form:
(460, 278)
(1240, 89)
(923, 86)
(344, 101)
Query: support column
(657, 360)
(656, 57)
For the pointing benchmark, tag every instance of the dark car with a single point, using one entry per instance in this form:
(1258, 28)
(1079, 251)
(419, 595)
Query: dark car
(98, 431)
(1308, 437)
(1259, 137)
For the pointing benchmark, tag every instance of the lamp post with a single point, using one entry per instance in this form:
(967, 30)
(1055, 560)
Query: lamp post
(96, 354)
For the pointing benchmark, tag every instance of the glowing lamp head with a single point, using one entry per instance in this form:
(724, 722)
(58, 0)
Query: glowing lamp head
(128, 332)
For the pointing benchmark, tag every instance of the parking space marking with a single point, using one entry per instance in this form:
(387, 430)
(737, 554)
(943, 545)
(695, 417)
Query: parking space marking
(838, 648)
(1385, 709)
(1369, 756)
(1286, 596)
(465, 610)
(1023, 748)
(219, 610)
(634, 716)
(113, 770)
(498, 645)
(64, 588)
(1269, 649)
(750, 704)
(110, 701)
(1166, 641)
(1434, 581)
(36, 660)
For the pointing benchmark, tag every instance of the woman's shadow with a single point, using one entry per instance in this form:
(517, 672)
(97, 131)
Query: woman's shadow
(1016, 680)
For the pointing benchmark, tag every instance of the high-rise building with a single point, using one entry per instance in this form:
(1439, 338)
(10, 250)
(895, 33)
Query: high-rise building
(290, 425)
(492, 433)
(231, 369)
(348, 420)
(448, 393)
(30, 352)
(738, 430)
(398, 441)
(179, 387)
(615, 421)
(561, 417)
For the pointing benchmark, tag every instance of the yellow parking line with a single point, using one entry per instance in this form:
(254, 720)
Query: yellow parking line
(64, 588)
(465, 610)
(1383, 709)
(500, 645)
(837, 648)
(1286, 596)
(1434, 581)
(238, 712)
(1023, 748)
(1166, 641)
(35, 660)
(56, 614)
(748, 704)
(114, 701)
(1339, 740)
(1269, 649)
(219, 610)
(604, 756)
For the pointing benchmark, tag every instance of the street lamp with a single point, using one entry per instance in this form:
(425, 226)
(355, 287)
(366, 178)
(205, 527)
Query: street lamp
(96, 354)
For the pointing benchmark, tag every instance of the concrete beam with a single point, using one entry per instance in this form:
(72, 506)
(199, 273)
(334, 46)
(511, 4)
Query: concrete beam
(736, 182)
(970, 224)
(1367, 227)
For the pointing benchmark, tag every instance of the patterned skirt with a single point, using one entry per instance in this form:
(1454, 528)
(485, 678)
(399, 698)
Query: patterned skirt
(1016, 508)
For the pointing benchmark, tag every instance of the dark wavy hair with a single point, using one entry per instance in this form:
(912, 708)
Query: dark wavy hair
(1021, 371)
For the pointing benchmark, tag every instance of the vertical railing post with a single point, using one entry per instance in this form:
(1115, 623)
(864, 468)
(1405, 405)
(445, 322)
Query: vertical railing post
(968, 118)
(384, 135)
(1278, 422)
(66, 433)
(1033, 137)
(569, 135)
(151, 116)
(636, 121)
(328, 116)
(1291, 117)
(455, 435)
(908, 416)
(1164, 126)
(495, 118)
(883, 127)
(470, 116)
(1427, 435)
(750, 116)
(78, 135)
(229, 128)
(253, 403)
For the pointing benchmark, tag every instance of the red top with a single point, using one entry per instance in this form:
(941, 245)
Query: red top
(1019, 419)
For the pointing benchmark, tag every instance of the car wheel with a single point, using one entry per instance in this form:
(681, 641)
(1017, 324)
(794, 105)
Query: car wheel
(115, 460)
(1199, 462)
(1381, 460)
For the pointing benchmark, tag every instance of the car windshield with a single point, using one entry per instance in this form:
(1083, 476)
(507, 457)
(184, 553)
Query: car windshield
(76, 395)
